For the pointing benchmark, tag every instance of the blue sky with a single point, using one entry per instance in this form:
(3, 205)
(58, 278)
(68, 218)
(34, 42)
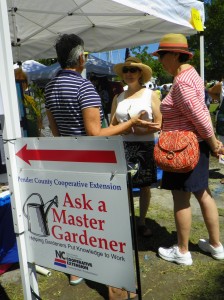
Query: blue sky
(117, 56)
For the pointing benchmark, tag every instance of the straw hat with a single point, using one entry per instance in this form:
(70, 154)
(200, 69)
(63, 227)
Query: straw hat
(134, 62)
(173, 42)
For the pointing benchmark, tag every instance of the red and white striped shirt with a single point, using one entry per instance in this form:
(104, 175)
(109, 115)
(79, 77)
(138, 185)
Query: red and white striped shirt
(184, 107)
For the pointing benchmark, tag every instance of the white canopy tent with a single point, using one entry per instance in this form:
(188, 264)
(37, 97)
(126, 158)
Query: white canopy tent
(31, 28)
(103, 24)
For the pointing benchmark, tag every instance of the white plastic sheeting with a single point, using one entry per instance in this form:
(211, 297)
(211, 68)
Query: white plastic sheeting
(103, 24)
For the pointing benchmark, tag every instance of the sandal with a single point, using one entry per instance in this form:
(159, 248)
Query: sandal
(74, 280)
(144, 231)
(222, 181)
(121, 294)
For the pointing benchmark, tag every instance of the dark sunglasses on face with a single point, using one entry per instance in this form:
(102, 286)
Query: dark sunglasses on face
(131, 70)
(162, 53)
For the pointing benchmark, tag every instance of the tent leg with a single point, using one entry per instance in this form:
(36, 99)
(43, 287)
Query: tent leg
(202, 56)
(26, 270)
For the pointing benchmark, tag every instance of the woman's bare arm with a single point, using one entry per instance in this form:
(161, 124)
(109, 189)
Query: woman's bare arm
(157, 116)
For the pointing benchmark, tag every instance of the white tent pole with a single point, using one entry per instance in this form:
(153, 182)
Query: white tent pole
(202, 56)
(14, 30)
(11, 132)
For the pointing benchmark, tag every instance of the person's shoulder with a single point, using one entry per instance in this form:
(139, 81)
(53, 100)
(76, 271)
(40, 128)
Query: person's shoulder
(147, 91)
(187, 71)
(187, 77)
(86, 83)
(155, 97)
(49, 84)
(156, 93)
(119, 97)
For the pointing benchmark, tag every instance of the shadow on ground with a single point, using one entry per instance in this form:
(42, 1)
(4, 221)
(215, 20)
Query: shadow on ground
(101, 289)
(215, 174)
(3, 294)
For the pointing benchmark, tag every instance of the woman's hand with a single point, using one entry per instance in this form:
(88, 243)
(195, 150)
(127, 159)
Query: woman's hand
(149, 126)
(218, 150)
(146, 129)
(221, 151)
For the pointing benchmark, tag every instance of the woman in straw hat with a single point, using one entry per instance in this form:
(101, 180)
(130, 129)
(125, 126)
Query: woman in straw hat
(184, 109)
(138, 142)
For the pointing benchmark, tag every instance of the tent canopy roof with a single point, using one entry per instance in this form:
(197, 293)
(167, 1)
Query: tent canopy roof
(103, 24)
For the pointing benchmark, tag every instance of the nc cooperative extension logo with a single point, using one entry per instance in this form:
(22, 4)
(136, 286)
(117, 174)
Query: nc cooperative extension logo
(62, 261)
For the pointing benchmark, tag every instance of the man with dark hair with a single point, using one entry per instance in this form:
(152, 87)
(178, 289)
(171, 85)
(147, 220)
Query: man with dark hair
(64, 46)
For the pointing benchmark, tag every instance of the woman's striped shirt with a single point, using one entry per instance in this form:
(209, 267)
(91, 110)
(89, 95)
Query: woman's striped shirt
(184, 107)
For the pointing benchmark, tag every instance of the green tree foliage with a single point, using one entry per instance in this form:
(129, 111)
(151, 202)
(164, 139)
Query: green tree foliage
(214, 46)
(142, 52)
(214, 41)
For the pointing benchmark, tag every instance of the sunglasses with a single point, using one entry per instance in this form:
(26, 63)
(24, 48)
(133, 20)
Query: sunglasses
(131, 70)
(162, 53)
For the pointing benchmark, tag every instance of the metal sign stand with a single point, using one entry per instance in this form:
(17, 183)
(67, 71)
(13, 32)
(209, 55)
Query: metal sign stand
(134, 236)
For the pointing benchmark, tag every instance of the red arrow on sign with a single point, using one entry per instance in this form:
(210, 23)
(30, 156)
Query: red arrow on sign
(85, 156)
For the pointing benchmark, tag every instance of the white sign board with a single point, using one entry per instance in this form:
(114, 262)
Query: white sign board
(76, 210)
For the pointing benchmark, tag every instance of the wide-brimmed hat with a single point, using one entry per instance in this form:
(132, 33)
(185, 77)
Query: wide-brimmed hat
(173, 42)
(134, 62)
